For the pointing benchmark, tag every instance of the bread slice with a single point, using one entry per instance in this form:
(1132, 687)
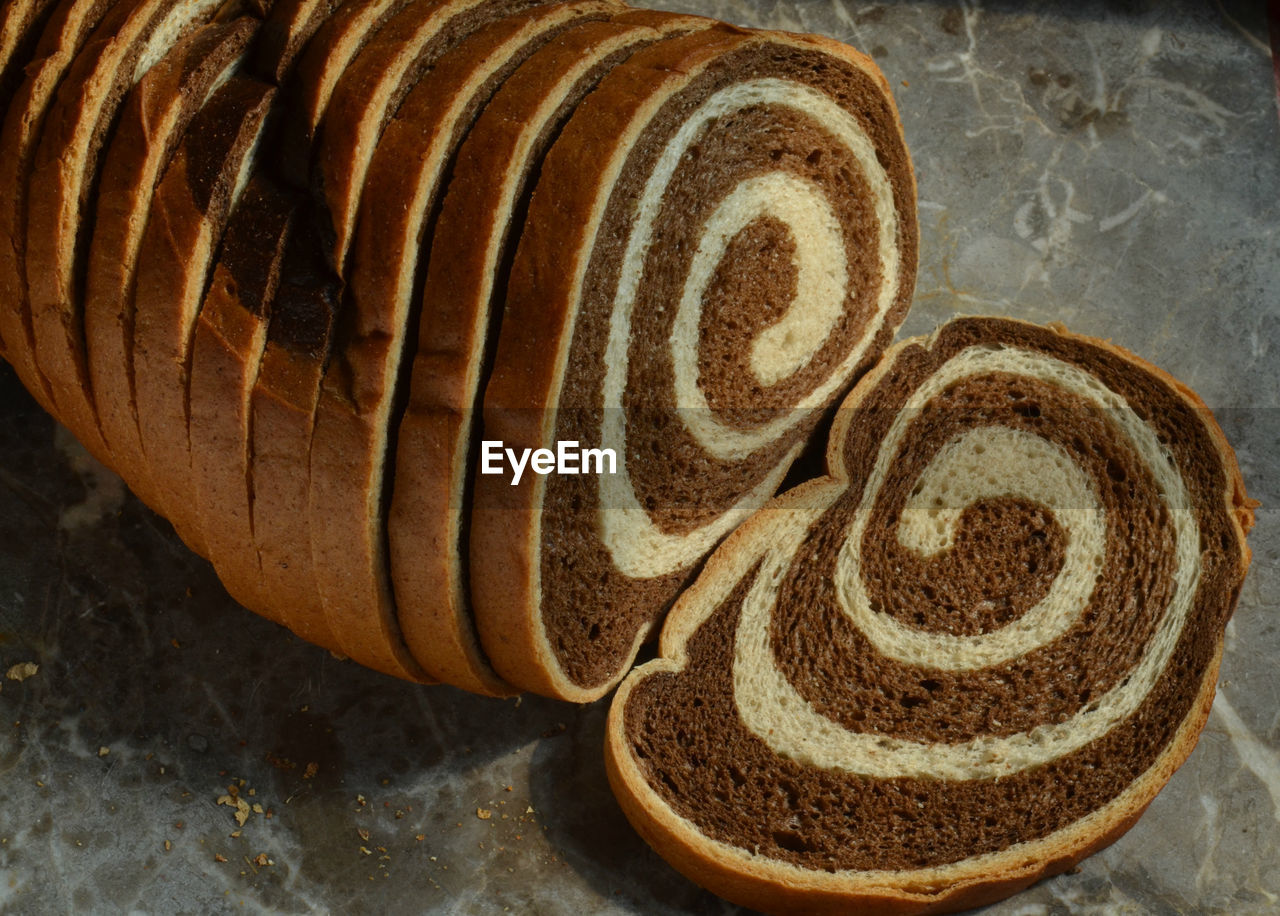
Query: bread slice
(285, 32)
(371, 90)
(772, 169)
(189, 214)
(64, 176)
(150, 128)
(474, 236)
(281, 419)
(226, 350)
(66, 32)
(964, 661)
(355, 414)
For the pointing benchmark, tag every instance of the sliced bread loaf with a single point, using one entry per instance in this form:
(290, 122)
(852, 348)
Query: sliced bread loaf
(64, 178)
(740, 247)
(189, 213)
(964, 661)
(465, 283)
(150, 128)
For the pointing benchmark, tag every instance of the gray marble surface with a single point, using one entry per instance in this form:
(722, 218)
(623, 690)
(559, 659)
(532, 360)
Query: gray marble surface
(1115, 167)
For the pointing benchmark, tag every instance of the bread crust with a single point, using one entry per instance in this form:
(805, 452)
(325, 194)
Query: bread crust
(149, 130)
(64, 178)
(67, 31)
(779, 887)
(21, 23)
(226, 350)
(286, 387)
(189, 213)
(521, 398)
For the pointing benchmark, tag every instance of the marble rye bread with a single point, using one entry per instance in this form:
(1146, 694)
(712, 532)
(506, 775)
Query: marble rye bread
(967, 659)
(742, 248)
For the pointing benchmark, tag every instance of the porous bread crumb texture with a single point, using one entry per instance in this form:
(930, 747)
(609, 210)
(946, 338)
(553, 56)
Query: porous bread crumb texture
(684, 728)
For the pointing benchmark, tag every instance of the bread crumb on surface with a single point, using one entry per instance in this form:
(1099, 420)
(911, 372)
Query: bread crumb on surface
(484, 813)
(104, 751)
(22, 671)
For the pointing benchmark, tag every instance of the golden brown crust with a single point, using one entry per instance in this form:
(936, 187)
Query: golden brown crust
(64, 177)
(783, 888)
(226, 351)
(149, 129)
(189, 213)
(67, 31)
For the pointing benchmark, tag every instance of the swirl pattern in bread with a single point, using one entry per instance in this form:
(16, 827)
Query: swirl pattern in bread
(742, 245)
(967, 659)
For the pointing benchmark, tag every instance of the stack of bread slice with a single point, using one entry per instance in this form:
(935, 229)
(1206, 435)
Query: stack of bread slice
(285, 266)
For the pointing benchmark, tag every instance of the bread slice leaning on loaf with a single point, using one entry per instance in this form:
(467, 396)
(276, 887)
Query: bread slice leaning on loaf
(722, 238)
(964, 661)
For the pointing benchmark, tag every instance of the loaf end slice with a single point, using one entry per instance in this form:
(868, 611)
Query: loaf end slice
(964, 661)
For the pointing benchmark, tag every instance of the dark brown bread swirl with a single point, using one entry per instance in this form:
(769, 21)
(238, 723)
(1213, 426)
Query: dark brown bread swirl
(720, 240)
(966, 660)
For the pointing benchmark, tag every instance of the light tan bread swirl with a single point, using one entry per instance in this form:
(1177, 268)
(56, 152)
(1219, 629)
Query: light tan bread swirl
(477, 230)
(740, 248)
(967, 659)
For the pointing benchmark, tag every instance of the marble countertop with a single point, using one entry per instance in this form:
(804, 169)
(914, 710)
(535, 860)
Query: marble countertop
(1115, 167)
